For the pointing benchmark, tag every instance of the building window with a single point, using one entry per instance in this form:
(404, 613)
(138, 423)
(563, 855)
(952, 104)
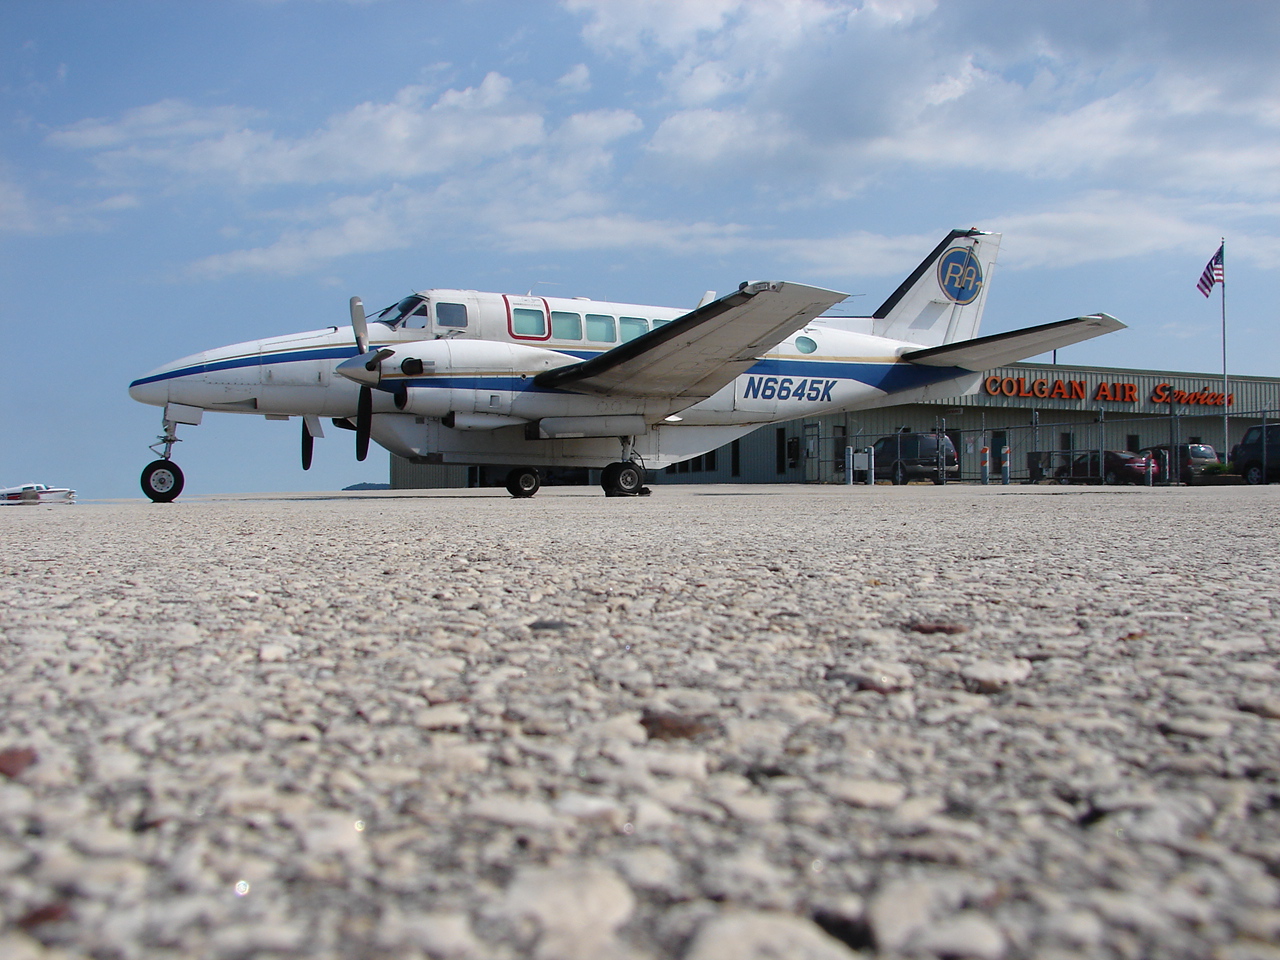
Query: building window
(780, 450)
(735, 458)
(1132, 442)
(709, 460)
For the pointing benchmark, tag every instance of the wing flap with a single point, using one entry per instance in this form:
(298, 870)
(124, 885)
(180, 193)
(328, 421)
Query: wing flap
(1000, 349)
(695, 355)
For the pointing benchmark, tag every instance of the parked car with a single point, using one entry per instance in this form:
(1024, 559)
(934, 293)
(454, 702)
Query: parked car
(1119, 466)
(1248, 457)
(903, 457)
(1191, 458)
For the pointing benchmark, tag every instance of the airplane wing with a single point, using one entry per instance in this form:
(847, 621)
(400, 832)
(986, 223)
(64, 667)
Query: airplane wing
(695, 355)
(997, 350)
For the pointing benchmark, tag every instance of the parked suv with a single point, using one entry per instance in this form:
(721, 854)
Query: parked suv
(1247, 456)
(914, 456)
(1191, 459)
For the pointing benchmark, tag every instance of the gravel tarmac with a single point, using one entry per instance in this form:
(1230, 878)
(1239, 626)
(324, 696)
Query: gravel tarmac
(717, 723)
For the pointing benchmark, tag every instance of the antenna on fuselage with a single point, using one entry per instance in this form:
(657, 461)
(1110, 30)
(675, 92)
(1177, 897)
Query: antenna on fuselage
(549, 283)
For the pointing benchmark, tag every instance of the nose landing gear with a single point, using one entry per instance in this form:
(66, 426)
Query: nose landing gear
(162, 480)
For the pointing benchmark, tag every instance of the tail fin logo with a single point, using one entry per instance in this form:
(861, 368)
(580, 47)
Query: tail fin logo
(960, 275)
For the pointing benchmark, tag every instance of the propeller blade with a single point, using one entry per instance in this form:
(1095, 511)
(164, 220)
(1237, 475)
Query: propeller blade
(359, 325)
(364, 422)
(308, 445)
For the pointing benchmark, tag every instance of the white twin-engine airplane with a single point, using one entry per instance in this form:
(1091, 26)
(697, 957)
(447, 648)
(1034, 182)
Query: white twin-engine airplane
(461, 377)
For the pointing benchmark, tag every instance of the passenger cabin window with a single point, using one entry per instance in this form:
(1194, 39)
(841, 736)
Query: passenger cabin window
(566, 326)
(660, 323)
(632, 327)
(451, 314)
(601, 329)
(528, 323)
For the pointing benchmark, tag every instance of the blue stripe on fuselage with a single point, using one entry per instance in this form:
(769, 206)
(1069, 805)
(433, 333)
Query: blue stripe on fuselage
(889, 377)
(254, 360)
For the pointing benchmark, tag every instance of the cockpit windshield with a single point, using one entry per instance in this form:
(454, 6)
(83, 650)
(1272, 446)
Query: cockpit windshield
(409, 312)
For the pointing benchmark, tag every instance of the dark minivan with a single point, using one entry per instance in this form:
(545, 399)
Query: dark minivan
(904, 457)
(1252, 462)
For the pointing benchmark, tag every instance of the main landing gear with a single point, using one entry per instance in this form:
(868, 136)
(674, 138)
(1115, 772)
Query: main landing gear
(623, 479)
(523, 482)
(162, 480)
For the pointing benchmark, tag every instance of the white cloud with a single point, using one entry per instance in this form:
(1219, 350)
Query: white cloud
(405, 138)
(667, 24)
(838, 95)
(165, 121)
(346, 227)
(709, 138)
(1120, 146)
(24, 214)
(577, 80)
(18, 212)
(1100, 225)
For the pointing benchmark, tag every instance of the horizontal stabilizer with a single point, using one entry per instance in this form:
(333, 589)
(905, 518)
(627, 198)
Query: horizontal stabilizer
(1000, 349)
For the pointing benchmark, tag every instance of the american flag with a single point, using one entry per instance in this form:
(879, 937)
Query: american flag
(1212, 273)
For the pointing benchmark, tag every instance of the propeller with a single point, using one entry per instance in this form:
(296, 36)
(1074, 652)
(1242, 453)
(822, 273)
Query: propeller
(364, 369)
(359, 325)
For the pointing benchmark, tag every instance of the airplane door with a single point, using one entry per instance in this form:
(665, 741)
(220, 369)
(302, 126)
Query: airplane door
(528, 318)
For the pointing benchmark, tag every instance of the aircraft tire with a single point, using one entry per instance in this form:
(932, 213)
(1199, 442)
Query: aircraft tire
(162, 481)
(523, 482)
(622, 480)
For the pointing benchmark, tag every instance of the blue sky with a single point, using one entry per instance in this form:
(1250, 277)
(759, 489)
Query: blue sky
(182, 175)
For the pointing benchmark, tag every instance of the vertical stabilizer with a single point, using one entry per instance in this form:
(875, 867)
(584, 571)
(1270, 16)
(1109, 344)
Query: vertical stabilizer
(942, 301)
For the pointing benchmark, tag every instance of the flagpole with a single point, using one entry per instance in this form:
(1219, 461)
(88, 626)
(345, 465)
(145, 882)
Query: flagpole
(1226, 392)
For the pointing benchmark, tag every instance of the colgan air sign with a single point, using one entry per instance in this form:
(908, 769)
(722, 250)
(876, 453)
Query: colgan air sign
(1043, 389)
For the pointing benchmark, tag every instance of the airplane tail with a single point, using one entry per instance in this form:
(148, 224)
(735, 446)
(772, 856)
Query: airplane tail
(942, 301)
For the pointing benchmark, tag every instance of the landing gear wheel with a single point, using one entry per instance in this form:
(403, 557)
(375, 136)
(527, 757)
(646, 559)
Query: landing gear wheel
(623, 480)
(523, 482)
(162, 481)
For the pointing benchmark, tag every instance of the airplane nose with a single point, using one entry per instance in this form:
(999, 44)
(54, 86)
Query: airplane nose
(149, 390)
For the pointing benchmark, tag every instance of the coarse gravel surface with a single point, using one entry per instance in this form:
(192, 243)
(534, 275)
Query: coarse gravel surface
(717, 723)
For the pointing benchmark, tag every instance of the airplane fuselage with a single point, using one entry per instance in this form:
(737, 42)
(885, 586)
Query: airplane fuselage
(459, 385)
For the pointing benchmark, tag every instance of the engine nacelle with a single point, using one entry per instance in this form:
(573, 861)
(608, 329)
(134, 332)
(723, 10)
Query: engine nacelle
(436, 378)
